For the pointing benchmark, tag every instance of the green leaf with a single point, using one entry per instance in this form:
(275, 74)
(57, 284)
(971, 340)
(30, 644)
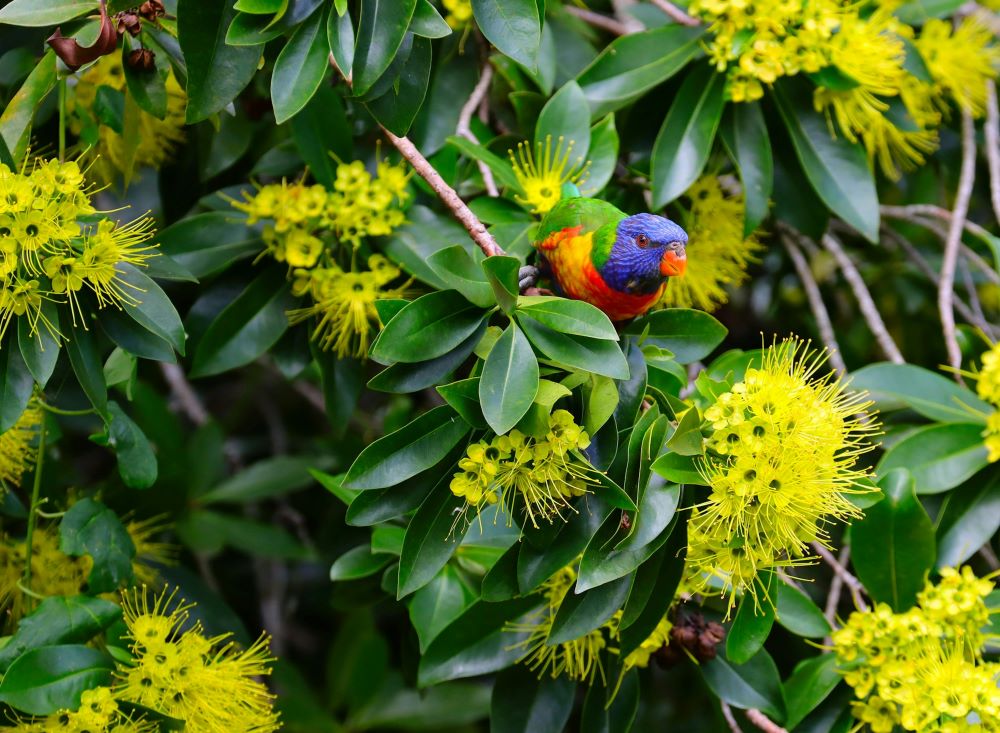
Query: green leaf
(685, 140)
(203, 244)
(535, 565)
(687, 439)
(340, 36)
(501, 168)
(247, 327)
(574, 317)
(405, 378)
(430, 326)
(41, 13)
(136, 460)
(753, 622)
(615, 715)
(969, 521)
(633, 64)
(524, 702)
(500, 581)
(154, 311)
(501, 273)
(321, 127)
(461, 271)
(432, 537)
(600, 402)
(397, 108)
(217, 72)
(17, 116)
(690, 335)
(380, 33)
(585, 610)
(40, 350)
(837, 168)
(358, 563)
(509, 380)
(427, 21)
(5, 156)
(463, 396)
(52, 678)
(745, 136)
(678, 469)
(603, 156)
(513, 26)
(148, 88)
(300, 68)
(59, 620)
(754, 684)
(566, 115)
(393, 458)
(897, 385)
(439, 603)
(797, 613)
(918, 12)
(89, 527)
(83, 355)
(265, 479)
(16, 385)
(810, 684)
(598, 356)
(342, 381)
(939, 457)
(892, 548)
(261, 7)
(833, 78)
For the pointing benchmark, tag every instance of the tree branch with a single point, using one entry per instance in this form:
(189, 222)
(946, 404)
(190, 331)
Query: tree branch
(836, 586)
(597, 20)
(865, 300)
(187, 398)
(946, 282)
(763, 722)
(678, 15)
(991, 131)
(850, 581)
(727, 713)
(463, 128)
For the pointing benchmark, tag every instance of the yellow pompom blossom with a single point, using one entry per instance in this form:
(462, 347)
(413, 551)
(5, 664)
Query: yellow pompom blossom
(541, 172)
(306, 226)
(539, 471)
(961, 60)
(459, 13)
(578, 659)
(208, 682)
(782, 449)
(720, 253)
(922, 669)
(98, 713)
(48, 253)
(16, 452)
(988, 388)
(156, 139)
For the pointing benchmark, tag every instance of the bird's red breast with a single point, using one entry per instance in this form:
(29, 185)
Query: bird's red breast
(568, 254)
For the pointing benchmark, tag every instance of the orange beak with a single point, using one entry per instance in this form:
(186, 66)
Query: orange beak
(673, 263)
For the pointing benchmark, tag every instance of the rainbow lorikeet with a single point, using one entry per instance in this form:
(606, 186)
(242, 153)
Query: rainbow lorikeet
(594, 252)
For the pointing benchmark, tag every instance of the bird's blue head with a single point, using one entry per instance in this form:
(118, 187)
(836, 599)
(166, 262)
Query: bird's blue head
(647, 250)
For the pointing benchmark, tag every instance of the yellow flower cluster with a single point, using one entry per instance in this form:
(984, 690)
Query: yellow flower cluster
(782, 448)
(459, 13)
(988, 388)
(720, 253)
(960, 59)
(98, 711)
(48, 254)
(540, 471)
(578, 659)
(155, 140)
(541, 173)
(301, 222)
(16, 453)
(208, 682)
(922, 669)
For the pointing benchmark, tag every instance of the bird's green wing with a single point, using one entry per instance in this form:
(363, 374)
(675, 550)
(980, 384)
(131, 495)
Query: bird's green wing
(592, 214)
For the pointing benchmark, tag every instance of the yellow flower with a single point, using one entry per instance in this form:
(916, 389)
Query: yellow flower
(659, 638)
(988, 376)
(98, 712)
(781, 459)
(459, 12)
(992, 437)
(156, 139)
(209, 683)
(541, 174)
(721, 253)
(16, 452)
(961, 61)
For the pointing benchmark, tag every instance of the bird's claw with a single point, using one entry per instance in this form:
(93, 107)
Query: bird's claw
(527, 276)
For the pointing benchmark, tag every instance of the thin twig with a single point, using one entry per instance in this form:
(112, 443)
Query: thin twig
(991, 131)
(187, 398)
(763, 722)
(836, 587)
(865, 301)
(850, 581)
(678, 15)
(946, 282)
(822, 315)
(597, 20)
(727, 713)
(463, 128)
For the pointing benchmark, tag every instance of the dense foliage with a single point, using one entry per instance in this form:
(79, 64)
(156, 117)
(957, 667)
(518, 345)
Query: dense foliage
(297, 433)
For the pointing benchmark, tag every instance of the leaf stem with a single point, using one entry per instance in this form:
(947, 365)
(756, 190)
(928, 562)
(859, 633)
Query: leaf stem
(67, 413)
(36, 488)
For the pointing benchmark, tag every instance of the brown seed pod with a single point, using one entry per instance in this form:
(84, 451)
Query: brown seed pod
(152, 9)
(142, 59)
(128, 22)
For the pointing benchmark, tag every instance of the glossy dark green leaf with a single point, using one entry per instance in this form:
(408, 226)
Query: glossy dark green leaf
(501, 167)
(536, 564)
(147, 87)
(500, 581)
(810, 684)
(678, 469)
(88, 527)
(969, 521)
(892, 548)
(41, 13)
(935, 397)
(321, 127)
(262, 7)
(405, 378)
(463, 272)
(566, 115)
(397, 108)
(340, 35)
(153, 311)
(509, 380)
(217, 72)
(597, 356)
(380, 32)
(754, 684)
(633, 64)
(523, 702)
(430, 326)
(938, 457)
(267, 478)
(40, 350)
(406, 452)
(247, 327)
(86, 361)
(203, 244)
(685, 140)
(52, 678)
(59, 620)
(357, 563)
(513, 26)
(745, 135)
(5, 155)
(16, 384)
(837, 168)
(300, 68)
(136, 460)
(753, 621)
(689, 334)
(439, 603)
(797, 613)
(427, 21)
(502, 273)
(601, 715)
(583, 611)
(603, 156)
(17, 116)
(134, 339)
(574, 317)
(432, 536)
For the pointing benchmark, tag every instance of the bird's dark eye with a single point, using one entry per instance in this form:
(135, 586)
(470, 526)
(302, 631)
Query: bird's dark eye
(642, 240)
